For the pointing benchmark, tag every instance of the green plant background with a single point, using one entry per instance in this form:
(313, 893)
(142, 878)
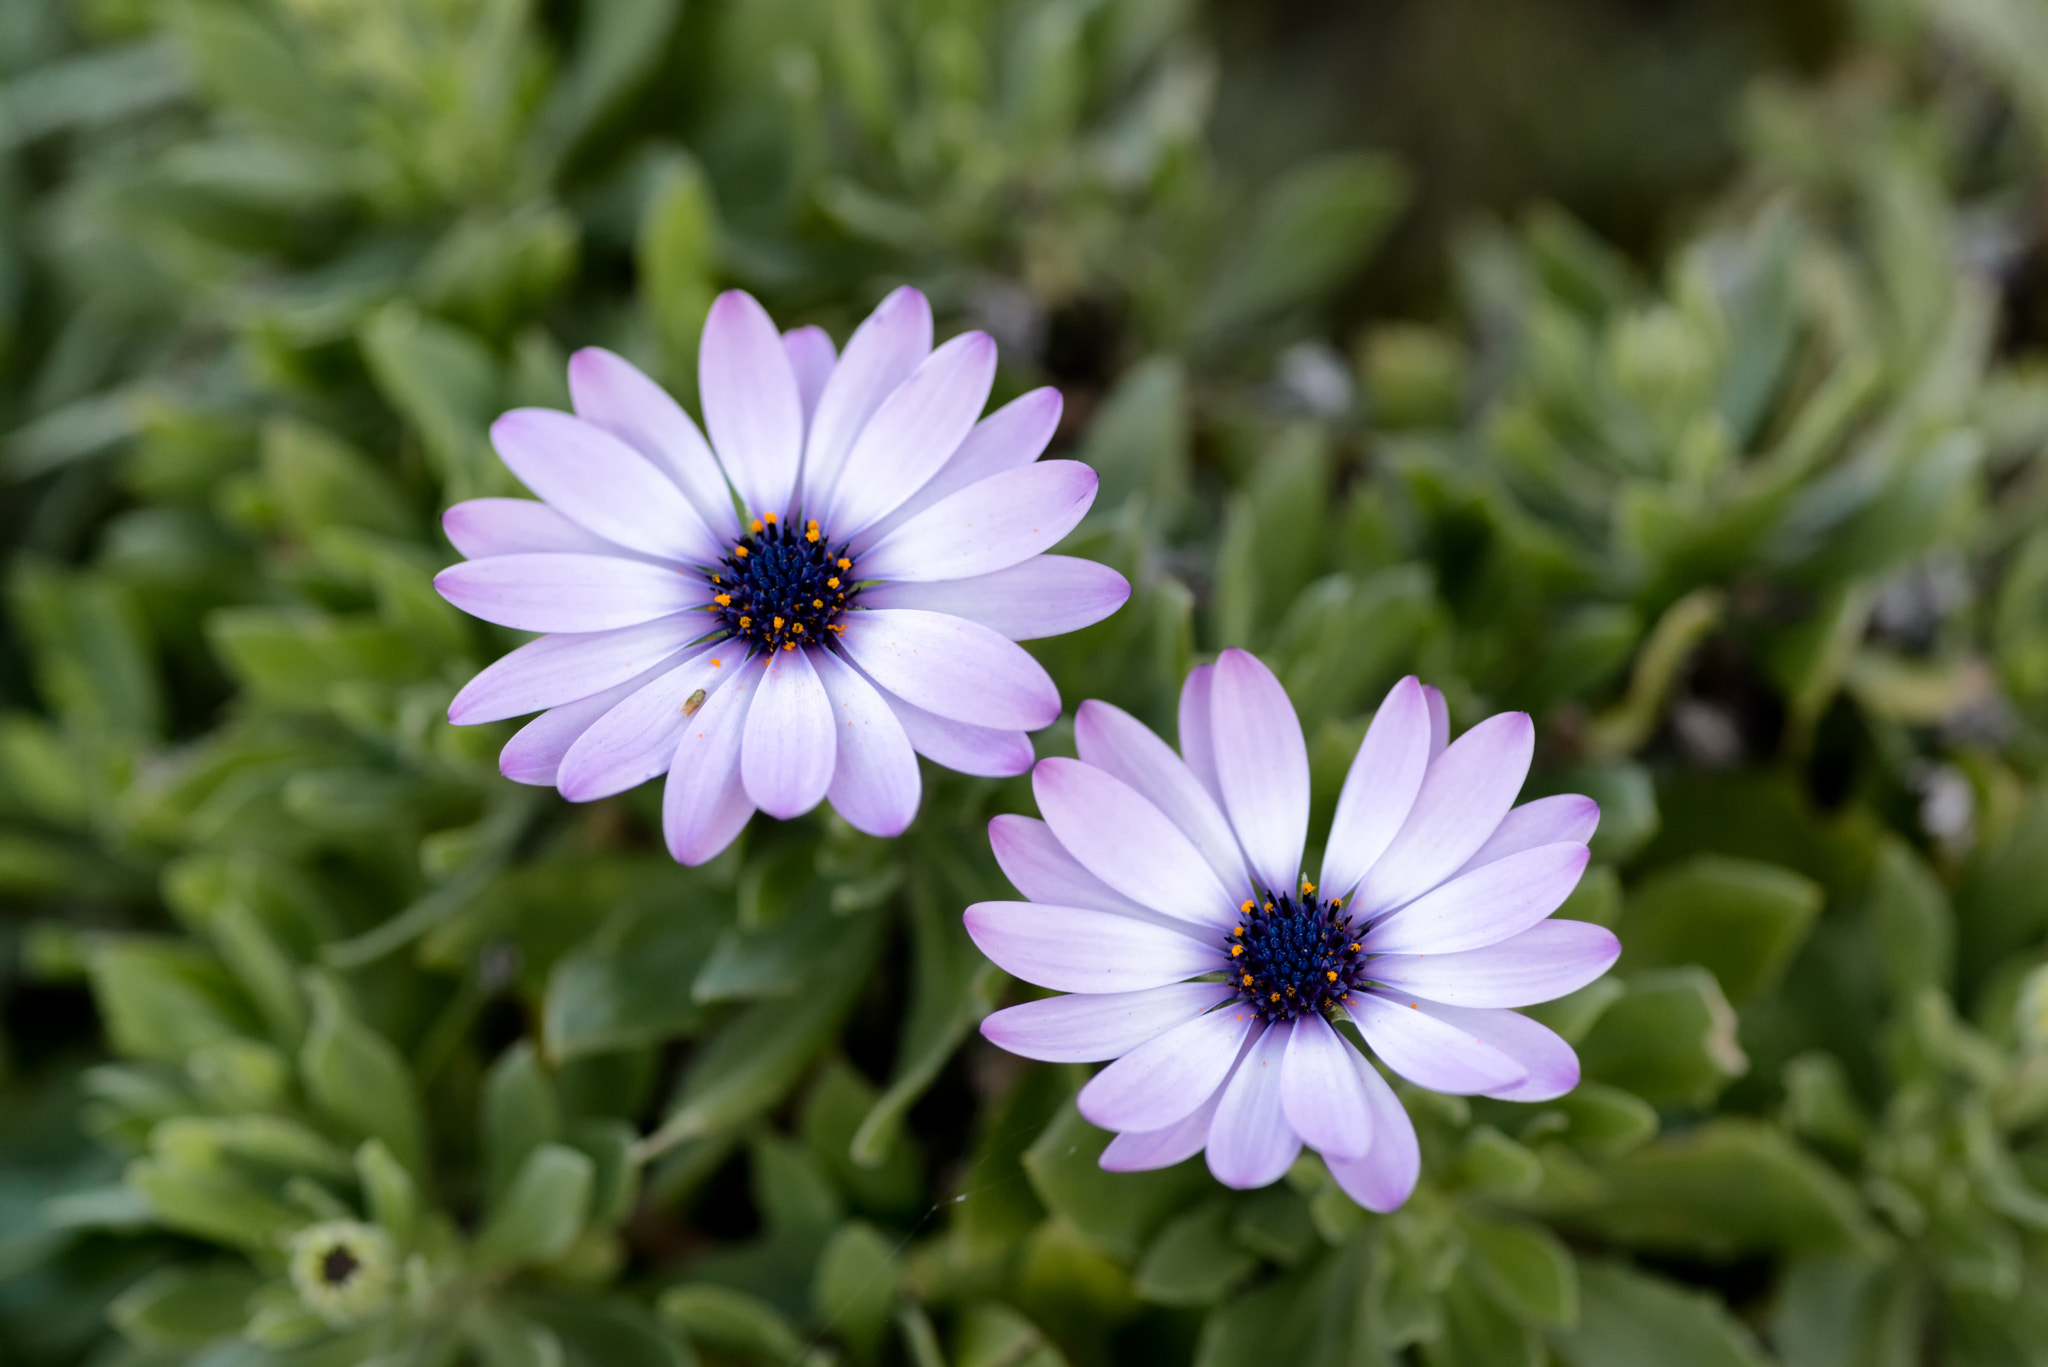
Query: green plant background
(1676, 377)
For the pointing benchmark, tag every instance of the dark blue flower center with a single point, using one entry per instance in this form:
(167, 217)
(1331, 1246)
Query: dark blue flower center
(1293, 954)
(781, 588)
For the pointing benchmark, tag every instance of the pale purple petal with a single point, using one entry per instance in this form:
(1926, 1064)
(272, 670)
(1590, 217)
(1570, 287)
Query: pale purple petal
(534, 755)
(983, 751)
(1143, 1150)
(1262, 765)
(1123, 747)
(575, 593)
(570, 665)
(811, 358)
(1250, 1141)
(1128, 843)
(1439, 721)
(1482, 907)
(612, 393)
(910, 436)
(1320, 1091)
(876, 785)
(1076, 949)
(1013, 435)
(1038, 866)
(1553, 1069)
(1168, 1075)
(1542, 963)
(1466, 792)
(705, 805)
(601, 484)
(1546, 821)
(751, 403)
(636, 739)
(1002, 521)
(883, 351)
(1429, 1051)
(1088, 1027)
(1383, 1179)
(1380, 789)
(953, 667)
(1197, 741)
(791, 744)
(1047, 595)
(485, 527)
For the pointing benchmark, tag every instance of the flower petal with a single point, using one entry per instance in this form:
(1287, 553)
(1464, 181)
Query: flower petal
(1169, 1075)
(575, 593)
(1075, 949)
(884, 350)
(1000, 522)
(751, 403)
(636, 740)
(1088, 1027)
(705, 805)
(1262, 765)
(481, 528)
(983, 751)
(1128, 843)
(612, 393)
(792, 740)
(953, 667)
(1464, 795)
(1015, 434)
(1038, 866)
(602, 484)
(1439, 722)
(534, 754)
(1320, 1091)
(910, 436)
(1141, 1151)
(1546, 821)
(876, 786)
(570, 665)
(1250, 1141)
(1379, 790)
(1197, 741)
(811, 360)
(1544, 962)
(1482, 907)
(1429, 1051)
(1553, 1069)
(1123, 747)
(1047, 595)
(1385, 1178)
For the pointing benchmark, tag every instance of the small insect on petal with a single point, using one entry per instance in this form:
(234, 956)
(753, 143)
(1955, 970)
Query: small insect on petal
(692, 703)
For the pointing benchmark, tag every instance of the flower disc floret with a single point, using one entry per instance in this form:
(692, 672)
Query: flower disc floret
(780, 588)
(1292, 954)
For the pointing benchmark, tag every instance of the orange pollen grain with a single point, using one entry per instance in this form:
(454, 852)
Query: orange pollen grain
(844, 563)
(723, 600)
(832, 583)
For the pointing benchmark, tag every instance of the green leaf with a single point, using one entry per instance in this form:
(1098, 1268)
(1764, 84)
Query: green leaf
(619, 988)
(1138, 440)
(613, 1332)
(1194, 1260)
(1270, 550)
(677, 253)
(1729, 1188)
(315, 479)
(1847, 1312)
(854, 1288)
(1740, 919)
(1479, 1333)
(519, 1115)
(388, 1189)
(503, 1339)
(90, 649)
(992, 1335)
(541, 1211)
(213, 1204)
(1670, 1040)
(357, 1078)
(1628, 1319)
(731, 1321)
(618, 47)
(1525, 1268)
(1313, 226)
(164, 1000)
(1119, 1211)
(446, 385)
(186, 1306)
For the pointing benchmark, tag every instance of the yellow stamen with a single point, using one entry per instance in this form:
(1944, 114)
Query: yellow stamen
(771, 519)
(739, 550)
(789, 645)
(817, 602)
(1247, 980)
(1238, 931)
(1331, 975)
(1236, 950)
(1247, 907)
(723, 600)
(844, 563)
(755, 525)
(833, 582)
(746, 622)
(1307, 887)
(1353, 948)
(798, 627)
(778, 624)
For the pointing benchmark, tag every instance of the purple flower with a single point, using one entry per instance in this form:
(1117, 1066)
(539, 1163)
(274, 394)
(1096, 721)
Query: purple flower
(1167, 897)
(831, 586)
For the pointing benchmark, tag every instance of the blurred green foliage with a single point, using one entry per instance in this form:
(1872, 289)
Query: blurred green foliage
(323, 1044)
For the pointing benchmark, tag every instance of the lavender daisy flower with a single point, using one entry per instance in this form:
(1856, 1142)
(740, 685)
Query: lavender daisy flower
(1167, 897)
(794, 610)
